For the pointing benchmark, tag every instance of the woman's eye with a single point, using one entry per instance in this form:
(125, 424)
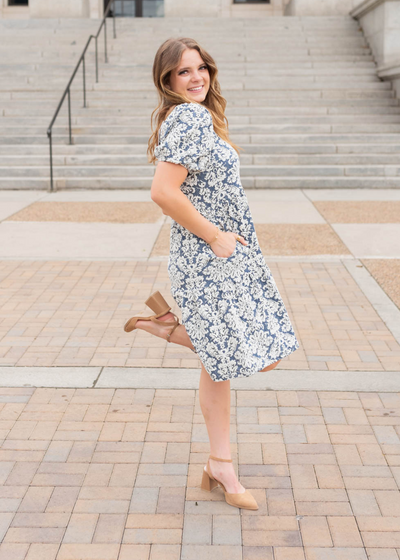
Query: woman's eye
(204, 66)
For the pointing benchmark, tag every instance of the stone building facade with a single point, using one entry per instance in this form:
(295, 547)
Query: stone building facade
(178, 8)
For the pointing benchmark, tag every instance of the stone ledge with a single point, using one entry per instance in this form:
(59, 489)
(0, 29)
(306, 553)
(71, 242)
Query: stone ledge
(365, 7)
(383, 305)
(389, 71)
(165, 378)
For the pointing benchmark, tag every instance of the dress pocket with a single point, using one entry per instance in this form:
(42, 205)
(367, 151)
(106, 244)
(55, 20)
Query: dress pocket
(225, 258)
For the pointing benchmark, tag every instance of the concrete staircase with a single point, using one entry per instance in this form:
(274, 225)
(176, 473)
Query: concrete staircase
(303, 98)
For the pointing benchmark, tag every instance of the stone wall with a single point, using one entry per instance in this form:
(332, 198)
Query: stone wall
(54, 9)
(380, 21)
(221, 8)
(319, 7)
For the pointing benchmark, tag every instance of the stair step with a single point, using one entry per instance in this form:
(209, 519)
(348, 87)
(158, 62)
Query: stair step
(246, 171)
(311, 114)
(247, 182)
(27, 162)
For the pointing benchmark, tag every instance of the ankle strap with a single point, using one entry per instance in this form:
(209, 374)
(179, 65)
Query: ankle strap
(217, 459)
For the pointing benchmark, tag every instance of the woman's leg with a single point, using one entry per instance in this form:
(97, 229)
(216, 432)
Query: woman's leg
(179, 336)
(215, 403)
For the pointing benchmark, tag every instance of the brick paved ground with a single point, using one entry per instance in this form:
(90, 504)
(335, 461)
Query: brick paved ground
(114, 474)
(72, 313)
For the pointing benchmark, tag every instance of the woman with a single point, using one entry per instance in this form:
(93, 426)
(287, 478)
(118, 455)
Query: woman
(233, 316)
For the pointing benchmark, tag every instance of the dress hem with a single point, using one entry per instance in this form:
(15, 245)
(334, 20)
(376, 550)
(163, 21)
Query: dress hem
(285, 355)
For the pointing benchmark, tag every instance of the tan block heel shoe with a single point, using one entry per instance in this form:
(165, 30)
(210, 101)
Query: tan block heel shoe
(243, 500)
(157, 303)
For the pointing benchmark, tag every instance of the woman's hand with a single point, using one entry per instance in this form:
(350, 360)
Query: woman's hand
(225, 244)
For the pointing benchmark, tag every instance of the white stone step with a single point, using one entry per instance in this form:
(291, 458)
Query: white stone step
(247, 158)
(140, 124)
(246, 171)
(239, 139)
(247, 182)
(313, 113)
(250, 150)
(252, 130)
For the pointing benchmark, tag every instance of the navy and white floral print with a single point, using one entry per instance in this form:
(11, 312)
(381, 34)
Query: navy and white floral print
(231, 307)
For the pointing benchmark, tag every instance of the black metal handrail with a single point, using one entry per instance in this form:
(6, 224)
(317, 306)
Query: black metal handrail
(68, 88)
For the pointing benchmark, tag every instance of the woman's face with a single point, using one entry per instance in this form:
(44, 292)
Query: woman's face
(191, 76)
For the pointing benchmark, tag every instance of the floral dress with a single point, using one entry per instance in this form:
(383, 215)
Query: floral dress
(231, 307)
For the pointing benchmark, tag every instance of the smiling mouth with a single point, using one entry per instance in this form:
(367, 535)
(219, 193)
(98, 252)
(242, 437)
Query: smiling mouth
(199, 88)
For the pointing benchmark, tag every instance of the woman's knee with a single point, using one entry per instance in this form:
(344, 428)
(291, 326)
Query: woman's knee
(271, 366)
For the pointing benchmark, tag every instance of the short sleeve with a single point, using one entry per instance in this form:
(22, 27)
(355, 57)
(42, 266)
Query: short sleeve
(187, 137)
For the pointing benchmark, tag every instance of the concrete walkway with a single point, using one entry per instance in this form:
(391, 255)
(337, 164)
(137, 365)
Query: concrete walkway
(102, 436)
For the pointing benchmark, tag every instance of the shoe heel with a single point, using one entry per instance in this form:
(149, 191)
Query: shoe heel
(208, 483)
(157, 303)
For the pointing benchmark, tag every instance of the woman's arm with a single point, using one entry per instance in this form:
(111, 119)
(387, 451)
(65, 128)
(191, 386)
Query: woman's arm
(166, 193)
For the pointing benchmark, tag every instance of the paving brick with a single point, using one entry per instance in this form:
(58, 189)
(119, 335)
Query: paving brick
(329, 476)
(123, 475)
(58, 451)
(165, 552)
(62, 500)
(226, 530)
(388, 502)
(101, 506)
(81, 528)
(271, 538)
(152, 536)
(258, 552)
(286, 553)
(40, 520)
(5, 522)
(381, 539)
(153, 452)
(323, 508)
(344, 531)
(32, 534)
(159, 521)
(382, 554)
(136, 551)
(315, 532)
(304, 476)
(98, 475)
(11, 551)
(280, 501)
(93, 551)
(110, 528)
(39, 551)
(177, 452)
(36, 499)
(171, 500)
(210, 552)
(144, 500)
(81, 452)
(197, 529)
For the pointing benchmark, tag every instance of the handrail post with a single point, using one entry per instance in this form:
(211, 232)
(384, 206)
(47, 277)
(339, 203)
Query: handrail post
(113, 10)
(105, 40)
(84, 80)
(69, 116)
(51, 159)
(97, 63)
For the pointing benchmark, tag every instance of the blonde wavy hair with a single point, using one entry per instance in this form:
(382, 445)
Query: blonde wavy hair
(167, 59)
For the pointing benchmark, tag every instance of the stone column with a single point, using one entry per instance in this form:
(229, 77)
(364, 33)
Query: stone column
(96, 9)
(59, 9)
